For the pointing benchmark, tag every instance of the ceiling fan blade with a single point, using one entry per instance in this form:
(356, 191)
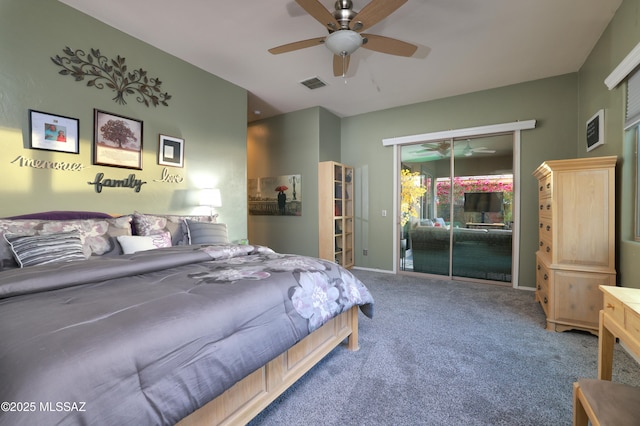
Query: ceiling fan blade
(297, 45)
(340, 65)
(320, 13)
(388, 45)
(373, 13)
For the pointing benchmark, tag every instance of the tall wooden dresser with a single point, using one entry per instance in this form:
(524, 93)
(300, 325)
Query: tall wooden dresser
(576, 251)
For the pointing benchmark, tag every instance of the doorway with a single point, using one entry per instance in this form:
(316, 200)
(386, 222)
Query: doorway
(455, 202)
(514, 128)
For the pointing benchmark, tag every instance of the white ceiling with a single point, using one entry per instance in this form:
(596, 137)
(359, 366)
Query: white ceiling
(463, 46)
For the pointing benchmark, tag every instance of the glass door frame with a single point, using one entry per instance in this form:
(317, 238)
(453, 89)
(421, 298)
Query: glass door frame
(513, 127)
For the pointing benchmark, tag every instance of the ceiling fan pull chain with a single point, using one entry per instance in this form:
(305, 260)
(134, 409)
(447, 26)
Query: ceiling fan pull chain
(344, 71)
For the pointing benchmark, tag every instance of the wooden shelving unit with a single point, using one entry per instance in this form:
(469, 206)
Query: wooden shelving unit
(335, 194)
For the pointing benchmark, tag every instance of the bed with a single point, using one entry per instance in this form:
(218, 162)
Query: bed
(194, 330)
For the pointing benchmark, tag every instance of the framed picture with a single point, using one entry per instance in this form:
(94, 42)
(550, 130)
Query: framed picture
(595, 131)
(54, 132)
(275, 195)
(117, 141)
(171, 151)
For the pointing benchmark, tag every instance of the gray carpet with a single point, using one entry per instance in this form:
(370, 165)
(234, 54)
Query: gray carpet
(447, 353)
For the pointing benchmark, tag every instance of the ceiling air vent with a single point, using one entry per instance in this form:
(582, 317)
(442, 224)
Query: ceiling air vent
(313, 83)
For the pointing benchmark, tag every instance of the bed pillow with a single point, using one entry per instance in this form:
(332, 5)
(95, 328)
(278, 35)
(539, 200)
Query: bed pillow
(92, 232)
(117, 226)
(30, 250)
(149, 224)
(97, 235)
(134, 243)
(206, 233)
(20, 226)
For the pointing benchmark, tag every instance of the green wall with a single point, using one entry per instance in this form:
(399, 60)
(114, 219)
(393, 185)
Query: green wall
(329, 142)
(622, 35)
(292, 144)
(206, 111)
(561, 106)
(278, 145)
(552, 102)
(287, 145)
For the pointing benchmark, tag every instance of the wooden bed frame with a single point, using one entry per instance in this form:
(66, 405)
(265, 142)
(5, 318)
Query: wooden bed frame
(251, 395)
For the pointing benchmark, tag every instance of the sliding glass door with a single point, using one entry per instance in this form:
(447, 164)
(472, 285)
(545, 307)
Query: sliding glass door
(456, 216)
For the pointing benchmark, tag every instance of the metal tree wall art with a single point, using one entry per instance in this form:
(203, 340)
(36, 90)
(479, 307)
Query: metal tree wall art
(112, 73)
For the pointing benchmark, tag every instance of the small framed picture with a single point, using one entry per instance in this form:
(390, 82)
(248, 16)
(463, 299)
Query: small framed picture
(171, 151)
(117, 141)
(54, 132)
(595, 130)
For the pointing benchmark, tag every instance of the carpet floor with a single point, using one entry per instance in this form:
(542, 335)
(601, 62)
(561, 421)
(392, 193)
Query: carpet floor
(447, 353)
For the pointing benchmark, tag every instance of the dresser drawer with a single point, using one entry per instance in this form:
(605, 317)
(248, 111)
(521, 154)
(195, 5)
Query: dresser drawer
(542, 286)
(542, 277)
(545, 247)
(544, 187)
(543, 298)
(545, 207)
(544, 228)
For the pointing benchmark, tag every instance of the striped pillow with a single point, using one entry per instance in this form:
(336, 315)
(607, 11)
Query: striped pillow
(30, 250)
(207, 233)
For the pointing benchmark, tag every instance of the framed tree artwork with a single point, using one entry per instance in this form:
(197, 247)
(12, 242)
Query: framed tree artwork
(117, 141)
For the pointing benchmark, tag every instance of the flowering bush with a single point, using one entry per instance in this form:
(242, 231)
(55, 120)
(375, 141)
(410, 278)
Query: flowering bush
(411, 190)
(498, 183)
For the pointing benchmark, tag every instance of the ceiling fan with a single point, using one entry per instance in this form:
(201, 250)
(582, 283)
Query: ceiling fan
(441, 148)
(468, 151)
(345, 26)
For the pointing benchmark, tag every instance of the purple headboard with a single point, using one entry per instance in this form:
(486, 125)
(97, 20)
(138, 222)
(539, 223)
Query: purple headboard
(62, 215)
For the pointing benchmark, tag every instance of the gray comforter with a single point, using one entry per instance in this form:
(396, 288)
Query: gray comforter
(148, 338)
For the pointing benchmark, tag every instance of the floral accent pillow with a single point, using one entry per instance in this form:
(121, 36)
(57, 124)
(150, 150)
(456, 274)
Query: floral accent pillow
(91, 233)
(148, 224)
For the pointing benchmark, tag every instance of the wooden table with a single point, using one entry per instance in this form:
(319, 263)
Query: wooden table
(620, 317)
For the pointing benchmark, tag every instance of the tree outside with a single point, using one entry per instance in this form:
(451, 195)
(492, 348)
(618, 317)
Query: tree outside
(412, 190)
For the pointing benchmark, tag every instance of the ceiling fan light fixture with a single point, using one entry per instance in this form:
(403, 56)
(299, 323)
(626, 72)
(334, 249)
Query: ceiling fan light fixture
(343, 42)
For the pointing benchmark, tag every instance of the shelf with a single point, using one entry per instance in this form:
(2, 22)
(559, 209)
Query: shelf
(335, 191)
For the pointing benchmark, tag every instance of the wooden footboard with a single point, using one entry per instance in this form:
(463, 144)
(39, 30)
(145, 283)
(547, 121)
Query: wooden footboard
(255, 392)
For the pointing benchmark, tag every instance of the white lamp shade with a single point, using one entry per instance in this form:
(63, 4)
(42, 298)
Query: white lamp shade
(210, 197)
(343, 42)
